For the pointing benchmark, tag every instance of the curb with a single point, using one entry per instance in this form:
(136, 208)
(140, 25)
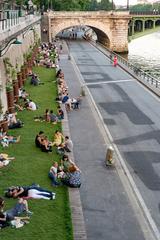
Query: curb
(79, 231)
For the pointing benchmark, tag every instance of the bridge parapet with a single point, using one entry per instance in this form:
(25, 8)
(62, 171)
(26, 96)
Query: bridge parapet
(93, 14)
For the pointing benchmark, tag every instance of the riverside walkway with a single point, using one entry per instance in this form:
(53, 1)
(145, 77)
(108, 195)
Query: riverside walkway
(110, 206)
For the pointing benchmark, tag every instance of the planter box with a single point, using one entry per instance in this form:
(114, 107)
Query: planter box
(10, 101)
(4, 125)
(19, 77)
(15, 90)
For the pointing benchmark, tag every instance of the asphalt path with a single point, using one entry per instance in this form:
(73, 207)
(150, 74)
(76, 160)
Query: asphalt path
(131, 113)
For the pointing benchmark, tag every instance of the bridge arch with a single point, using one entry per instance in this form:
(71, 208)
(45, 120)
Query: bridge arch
(103, 34)
(111, 27)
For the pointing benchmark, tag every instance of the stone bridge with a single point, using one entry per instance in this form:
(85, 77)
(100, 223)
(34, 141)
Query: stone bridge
(111, 27)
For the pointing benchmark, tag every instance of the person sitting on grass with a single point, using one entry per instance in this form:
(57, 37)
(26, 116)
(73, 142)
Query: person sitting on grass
(58, 138)
(29, 192)
(53, 117)
(22, 93)
(53, 174)
(47, 115)
(14, 213)
(5, 159)
(66, 163)
(31, 106)
(46, 145)
(38, 139)
(73, 177)
(12, 121)
(60, 113)
(68, 144)
(17, 106)
(34, 80)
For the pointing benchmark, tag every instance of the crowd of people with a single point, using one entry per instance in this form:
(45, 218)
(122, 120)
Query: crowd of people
(62, 172)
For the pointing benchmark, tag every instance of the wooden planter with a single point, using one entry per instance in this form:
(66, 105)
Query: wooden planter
(10, 101)
(15, 90)
(4, 125)
(23, 71)
(20, 81)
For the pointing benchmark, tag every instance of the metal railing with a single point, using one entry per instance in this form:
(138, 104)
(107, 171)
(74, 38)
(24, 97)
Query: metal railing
(138, 73)
(150, 13)
(9, 19)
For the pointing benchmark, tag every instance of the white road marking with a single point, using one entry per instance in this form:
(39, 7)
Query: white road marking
(108, 82)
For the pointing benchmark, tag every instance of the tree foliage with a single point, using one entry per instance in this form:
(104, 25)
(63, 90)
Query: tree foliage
(70, 5)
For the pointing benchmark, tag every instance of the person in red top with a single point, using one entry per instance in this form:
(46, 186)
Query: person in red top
(115, 61)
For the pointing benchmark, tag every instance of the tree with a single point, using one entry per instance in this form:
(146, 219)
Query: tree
(141, 8)
(93, 5)
(105, 5)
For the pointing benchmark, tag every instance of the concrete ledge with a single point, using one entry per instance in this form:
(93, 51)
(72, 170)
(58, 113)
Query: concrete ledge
(79, 230)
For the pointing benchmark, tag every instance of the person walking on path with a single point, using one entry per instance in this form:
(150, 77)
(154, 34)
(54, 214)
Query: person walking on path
(115, 61)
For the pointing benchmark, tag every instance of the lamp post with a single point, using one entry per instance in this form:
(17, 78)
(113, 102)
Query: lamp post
(30, 6)
(127, 4)
(112, 5)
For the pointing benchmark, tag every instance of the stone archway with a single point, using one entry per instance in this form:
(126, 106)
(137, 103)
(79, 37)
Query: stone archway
(101, 36)
(111, 28)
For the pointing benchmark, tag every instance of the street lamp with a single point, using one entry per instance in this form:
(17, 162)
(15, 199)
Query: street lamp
(127, 4)
(112, 5)
(30, 5)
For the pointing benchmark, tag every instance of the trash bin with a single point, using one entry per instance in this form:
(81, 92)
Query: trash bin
(109, 156)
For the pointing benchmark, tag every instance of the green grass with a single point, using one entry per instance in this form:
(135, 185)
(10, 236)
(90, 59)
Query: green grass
(51, 218)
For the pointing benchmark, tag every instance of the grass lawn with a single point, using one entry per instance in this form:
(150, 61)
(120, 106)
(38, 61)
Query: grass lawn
(51, 218)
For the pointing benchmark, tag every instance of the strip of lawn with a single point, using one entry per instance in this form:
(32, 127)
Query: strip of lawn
(51, 218)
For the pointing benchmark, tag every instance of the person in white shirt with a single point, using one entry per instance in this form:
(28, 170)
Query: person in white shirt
(53, 174)
(32, 106)
(68, 144)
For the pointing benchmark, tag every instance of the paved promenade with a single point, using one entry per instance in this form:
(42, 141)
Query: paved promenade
(109, 208)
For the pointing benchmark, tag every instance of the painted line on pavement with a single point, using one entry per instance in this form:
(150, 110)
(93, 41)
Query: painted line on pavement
(146, 216)
(108, 82)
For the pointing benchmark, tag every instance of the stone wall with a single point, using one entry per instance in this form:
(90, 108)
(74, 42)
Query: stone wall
(15, 54)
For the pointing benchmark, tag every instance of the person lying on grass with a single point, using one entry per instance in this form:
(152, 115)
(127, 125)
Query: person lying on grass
(5, 159)
(6, 139)
(29, 192)
(14, 213)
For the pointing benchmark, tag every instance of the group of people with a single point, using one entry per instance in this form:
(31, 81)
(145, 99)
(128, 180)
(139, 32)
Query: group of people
(15, 216)
(50, 116)
(48, 55)
(63, 144)
(64, 172)
(70, 103)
